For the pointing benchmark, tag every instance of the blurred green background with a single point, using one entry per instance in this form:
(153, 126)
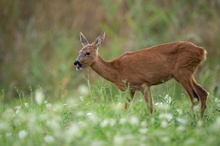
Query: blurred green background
(39, 39)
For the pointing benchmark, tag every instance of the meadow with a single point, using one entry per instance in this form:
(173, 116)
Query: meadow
(97, 118)
(45, 101)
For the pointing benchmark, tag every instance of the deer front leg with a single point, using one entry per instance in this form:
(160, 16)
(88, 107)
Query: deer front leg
(132, 93)
(148, 97)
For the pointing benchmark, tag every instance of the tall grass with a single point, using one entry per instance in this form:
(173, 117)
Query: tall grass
(41, 45)
(99, 119)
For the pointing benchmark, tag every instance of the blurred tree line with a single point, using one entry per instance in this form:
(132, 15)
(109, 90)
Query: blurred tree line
(39, 38)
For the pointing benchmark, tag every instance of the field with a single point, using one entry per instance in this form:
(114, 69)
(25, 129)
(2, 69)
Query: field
(45, 101)
(99, 119)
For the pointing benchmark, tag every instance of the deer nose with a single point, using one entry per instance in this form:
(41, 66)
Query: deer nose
(76, 62)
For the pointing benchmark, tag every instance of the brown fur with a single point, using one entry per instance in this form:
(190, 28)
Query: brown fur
(151, 66)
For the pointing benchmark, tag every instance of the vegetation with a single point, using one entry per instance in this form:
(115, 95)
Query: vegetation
(99, 118)
(44, 101)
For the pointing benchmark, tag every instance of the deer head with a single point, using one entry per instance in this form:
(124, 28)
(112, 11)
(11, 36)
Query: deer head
(89, 53)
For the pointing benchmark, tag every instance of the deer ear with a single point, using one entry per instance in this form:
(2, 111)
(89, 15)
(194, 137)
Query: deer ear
(99, 39)
(83, 39)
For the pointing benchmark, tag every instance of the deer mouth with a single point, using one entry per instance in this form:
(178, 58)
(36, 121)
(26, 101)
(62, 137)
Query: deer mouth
(78, 65)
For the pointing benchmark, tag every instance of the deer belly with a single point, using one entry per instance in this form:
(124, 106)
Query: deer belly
(159, 79)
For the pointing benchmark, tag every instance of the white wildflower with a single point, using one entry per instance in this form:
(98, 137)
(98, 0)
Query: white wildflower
(179, 111)
(49, 106)
(168, 99)
(164, 124)
(112, 122)
(4, 126)
(83, 90)
(39, 96)
(166, 116)
(26, 104)
(108, 122)
(181, 128)
(53, 124)
(182, 121)
(200, 123)
(217, 100)
(88, 114)
(72, 132)
(80, 113)
(190, 141)
(17, 108)
(122, 121)
(196, 108)
(57, 108)
(216, 126)
(98, 143)
(83, 124)
(49, 139)
(8, 134)
(143, 130)
(82, 98)
(134, 120)
(119, 140)
(117, 107)
(9, 114)
(143, 124)
(165, 139)
(124, 140)
(162, 106)
(104, 123)
(72, 102)
(93, 118)
(22, 134)
(32, 124)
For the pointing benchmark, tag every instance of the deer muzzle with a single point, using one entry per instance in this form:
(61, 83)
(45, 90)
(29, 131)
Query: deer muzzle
(78, 65)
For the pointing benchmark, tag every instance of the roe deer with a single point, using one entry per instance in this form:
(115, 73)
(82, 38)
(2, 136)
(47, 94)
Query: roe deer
(151, 66)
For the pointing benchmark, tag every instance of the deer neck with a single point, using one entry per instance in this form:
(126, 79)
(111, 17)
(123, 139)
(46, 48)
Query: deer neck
(105, 69)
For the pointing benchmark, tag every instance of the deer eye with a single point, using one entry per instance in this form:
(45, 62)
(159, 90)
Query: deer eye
(87, 54)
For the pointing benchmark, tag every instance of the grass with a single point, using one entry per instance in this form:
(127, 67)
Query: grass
(96, 118)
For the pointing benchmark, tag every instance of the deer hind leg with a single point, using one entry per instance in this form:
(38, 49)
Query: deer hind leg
(195, 91)
(132, 93)
(202, 94)
(148, 97)
(188, 86)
